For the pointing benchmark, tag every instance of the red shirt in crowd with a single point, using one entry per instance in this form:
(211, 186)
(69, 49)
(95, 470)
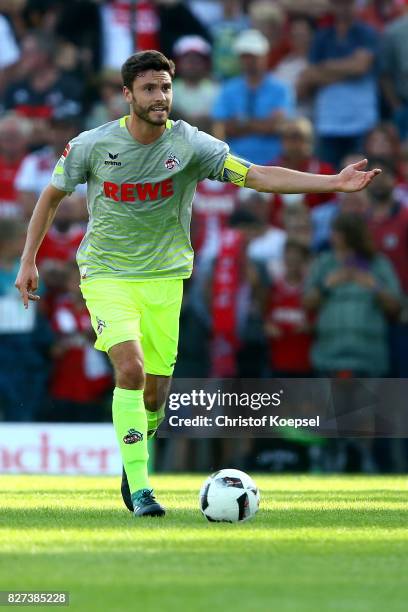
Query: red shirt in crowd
(147, 26)
(213, 204)
(290, 352)
(59, 245)
(9, 206)
(80, 374)
(391, 238)
(311, 199)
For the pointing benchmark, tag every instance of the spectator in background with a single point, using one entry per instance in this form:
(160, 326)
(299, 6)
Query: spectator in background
(110, 105)
(270, 19)
(382, 142)
(353, 291)
(80, 374)
(290, 68)
(250, 109)
(126, 29)
(297, 154)
(388, 223)
(297, 223)
(36, 169)
(78, 29)
(313, 9)
(224, 32)
(356, 203)
(66, 232)
(229, 296)
(342, 74)
(287, 323)
(9, 52)
(214, 202)
(25, 337)
(39, 14)
(266, 249)
(177, 20)
(194, 91)
(14, 136)
(42, 89)
(323, 216)
(394, 70)
(378, 13)
(152, 24)
(401, 190)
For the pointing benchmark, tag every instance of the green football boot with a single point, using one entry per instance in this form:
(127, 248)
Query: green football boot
(145, 504)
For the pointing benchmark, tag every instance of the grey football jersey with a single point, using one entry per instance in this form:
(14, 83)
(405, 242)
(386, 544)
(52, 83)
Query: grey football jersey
(140, 197)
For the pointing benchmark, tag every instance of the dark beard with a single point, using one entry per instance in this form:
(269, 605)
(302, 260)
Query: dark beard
(143, 114)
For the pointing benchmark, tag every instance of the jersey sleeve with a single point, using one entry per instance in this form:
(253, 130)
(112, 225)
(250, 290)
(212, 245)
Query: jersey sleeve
(211, 154)
(217, 163)
(72, 167)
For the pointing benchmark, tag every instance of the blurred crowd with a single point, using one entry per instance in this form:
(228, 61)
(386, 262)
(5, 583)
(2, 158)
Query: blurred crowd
(284, 285)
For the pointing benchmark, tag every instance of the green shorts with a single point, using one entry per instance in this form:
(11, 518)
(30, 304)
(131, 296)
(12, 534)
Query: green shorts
(147, 311)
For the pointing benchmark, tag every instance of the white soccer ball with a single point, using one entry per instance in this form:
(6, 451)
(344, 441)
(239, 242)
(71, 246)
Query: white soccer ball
(229, 496)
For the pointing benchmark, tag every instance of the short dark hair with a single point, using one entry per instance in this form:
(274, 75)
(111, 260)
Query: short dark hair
(142, 61)
(357, 237)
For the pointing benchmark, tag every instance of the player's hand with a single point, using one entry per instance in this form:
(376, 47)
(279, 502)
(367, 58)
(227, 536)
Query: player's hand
(353, 178)
(27, 282)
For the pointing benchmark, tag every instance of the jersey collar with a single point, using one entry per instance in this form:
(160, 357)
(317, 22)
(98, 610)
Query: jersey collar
(122, 122)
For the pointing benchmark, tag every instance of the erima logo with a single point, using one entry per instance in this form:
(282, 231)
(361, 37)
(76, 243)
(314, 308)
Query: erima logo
(111, 162)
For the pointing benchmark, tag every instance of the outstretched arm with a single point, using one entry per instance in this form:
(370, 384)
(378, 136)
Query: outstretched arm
(274, 179)
(43, 215)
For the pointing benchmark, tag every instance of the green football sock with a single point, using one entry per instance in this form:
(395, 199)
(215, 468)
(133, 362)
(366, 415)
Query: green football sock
(154, 418)
(130, 423)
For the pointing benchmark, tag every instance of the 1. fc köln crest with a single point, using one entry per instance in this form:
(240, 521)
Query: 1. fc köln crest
(171, 162)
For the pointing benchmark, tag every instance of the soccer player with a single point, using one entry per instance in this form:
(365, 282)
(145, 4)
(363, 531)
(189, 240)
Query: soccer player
(142, 172)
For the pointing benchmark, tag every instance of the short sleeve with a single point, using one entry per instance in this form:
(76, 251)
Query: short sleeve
(210, 154)
(72, 166)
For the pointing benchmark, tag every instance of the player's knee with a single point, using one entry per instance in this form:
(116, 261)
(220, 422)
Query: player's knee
(130, 374)
(152, 400)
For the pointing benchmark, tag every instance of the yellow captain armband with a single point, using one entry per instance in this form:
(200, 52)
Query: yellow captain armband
(235, 170)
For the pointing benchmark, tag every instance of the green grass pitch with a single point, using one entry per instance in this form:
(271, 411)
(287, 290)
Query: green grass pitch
(317, 543)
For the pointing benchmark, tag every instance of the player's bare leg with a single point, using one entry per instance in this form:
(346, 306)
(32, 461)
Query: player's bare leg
(156, 392)
(155, 396)
(130, 422)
